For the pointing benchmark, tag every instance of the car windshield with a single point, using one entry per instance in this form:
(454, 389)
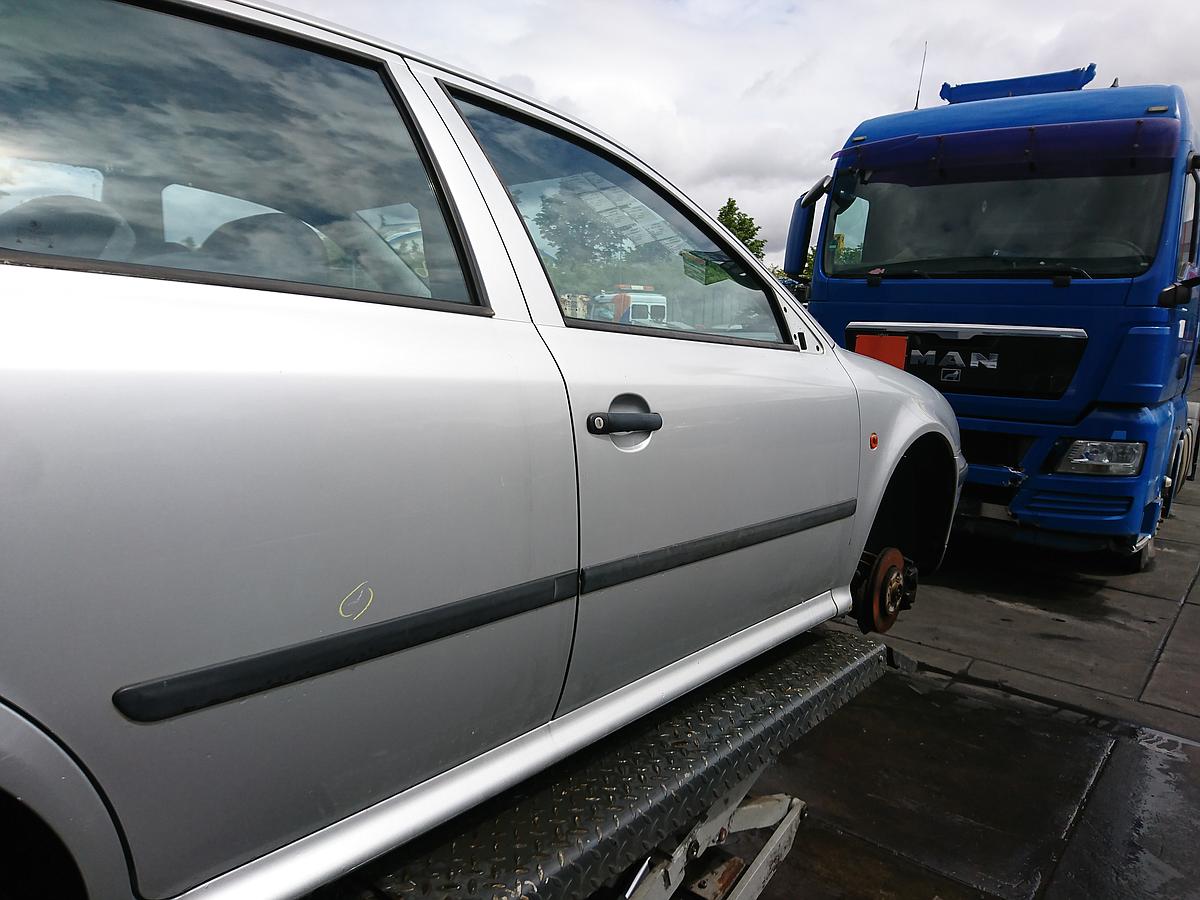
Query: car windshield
(914, 222)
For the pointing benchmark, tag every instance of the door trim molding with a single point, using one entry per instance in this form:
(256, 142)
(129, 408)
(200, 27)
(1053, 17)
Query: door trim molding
(651, 562)
(158, 699)
(174, 695)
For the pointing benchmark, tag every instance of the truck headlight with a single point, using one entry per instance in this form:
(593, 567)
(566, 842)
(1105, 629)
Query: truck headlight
(1103, 458)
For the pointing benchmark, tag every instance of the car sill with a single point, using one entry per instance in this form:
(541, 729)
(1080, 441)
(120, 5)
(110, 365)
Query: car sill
(312, 861)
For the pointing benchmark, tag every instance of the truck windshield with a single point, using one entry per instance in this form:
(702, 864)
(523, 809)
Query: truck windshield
(912, 222)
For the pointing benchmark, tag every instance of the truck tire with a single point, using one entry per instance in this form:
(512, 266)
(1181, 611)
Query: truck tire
(1177, 473)
(1192, 448)
(1139, 561)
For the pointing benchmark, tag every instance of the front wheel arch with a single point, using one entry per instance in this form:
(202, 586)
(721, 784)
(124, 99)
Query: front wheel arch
(51, 786)
(34, 862)
(915, 512)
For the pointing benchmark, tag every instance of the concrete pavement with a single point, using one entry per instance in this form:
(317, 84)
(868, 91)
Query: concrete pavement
(929, 787)
(1048, 745)
(1069, 628)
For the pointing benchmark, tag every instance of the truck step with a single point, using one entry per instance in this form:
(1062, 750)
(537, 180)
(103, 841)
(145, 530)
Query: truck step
(577, 827)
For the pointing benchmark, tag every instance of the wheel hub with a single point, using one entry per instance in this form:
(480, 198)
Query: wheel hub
(893, 591)
(885, 585)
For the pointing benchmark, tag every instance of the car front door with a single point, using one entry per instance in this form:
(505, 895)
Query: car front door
(728, 496)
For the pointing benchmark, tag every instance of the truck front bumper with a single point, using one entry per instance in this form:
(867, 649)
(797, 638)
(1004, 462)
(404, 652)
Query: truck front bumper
(1011, 479)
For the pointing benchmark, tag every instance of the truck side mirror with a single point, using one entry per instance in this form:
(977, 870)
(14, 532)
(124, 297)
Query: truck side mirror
(800, 232)
(1178, 293)
(795, 254)
(817, 191)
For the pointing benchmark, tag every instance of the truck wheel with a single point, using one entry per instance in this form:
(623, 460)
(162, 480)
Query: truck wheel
(1177, 476)
(1193, 432)
(1138, 561)
(1187, 461)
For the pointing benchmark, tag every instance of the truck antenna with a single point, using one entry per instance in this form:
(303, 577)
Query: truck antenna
(921, 77)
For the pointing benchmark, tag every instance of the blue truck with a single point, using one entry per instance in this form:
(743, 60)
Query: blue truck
(1029, 248)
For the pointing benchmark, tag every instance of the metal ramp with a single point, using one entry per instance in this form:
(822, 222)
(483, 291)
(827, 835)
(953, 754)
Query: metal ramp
(631, 804)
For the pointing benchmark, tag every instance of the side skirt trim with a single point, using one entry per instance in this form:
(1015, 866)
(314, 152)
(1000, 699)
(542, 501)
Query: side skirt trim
(312, 861)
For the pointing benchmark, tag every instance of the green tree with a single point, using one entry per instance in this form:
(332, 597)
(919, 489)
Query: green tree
(743, 226)
(805, 273)
(579, 235)
(587, 250)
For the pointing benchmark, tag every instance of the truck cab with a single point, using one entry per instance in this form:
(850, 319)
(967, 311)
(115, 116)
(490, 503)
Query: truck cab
(1029, 249)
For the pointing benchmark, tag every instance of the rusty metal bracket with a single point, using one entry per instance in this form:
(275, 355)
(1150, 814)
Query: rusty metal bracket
(715, 875)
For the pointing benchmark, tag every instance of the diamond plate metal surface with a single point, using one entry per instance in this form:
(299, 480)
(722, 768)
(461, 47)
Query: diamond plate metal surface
(564, 833)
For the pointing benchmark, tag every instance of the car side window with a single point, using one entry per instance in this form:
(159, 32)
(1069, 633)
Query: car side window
(151, 139)
(616, 250)
(22, 180)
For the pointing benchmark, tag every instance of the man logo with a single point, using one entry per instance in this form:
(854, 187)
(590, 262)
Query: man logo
(953, 358)
(951, 374)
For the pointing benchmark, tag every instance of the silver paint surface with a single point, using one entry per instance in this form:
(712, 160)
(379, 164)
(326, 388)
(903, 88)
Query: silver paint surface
(193, 474)
(749, 434)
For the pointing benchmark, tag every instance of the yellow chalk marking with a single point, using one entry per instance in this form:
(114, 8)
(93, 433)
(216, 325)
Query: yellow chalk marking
(342, 606)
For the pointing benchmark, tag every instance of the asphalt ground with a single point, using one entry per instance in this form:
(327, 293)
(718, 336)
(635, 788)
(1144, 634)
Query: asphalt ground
(1047, 744)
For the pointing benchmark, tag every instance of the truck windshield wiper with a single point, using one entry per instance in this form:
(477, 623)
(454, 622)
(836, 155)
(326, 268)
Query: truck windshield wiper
(1049, 271)
(968, 267)
(999, 266)
(876, 275)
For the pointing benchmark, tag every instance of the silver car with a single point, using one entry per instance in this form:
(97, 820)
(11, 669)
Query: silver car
(328, 510)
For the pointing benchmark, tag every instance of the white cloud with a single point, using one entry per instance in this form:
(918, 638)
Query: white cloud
(749, 99)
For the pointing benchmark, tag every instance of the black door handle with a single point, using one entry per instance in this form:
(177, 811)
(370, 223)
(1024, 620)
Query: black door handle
(612, 423)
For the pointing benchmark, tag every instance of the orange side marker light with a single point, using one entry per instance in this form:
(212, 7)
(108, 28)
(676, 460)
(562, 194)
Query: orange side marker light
(874, 442)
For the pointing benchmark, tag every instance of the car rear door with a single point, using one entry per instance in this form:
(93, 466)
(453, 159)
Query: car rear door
(731, 498)
(287, 472)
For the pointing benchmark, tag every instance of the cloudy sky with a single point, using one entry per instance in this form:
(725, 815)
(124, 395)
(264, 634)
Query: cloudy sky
(748, 99)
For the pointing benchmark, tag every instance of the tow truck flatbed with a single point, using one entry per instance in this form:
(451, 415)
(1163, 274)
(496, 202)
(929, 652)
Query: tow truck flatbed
(610, 815)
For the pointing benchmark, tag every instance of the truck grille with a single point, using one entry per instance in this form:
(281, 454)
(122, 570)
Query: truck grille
(1079, 504)
(987, 364)
(988, 493)
(992, 448)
